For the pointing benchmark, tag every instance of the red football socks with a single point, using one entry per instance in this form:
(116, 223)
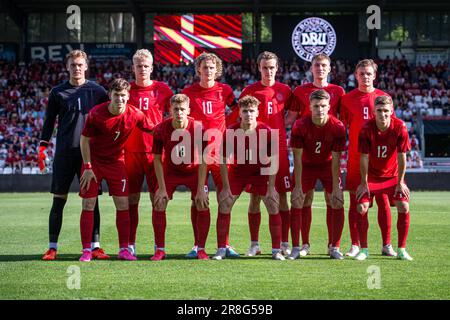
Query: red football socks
(86, 227)
(403, 228)
(254, 221)
(134, 221)
(384, 217)
(159, 227)
(353, 220)
(203, 224)
(306, 224)
(330, 224)
(123, 227)
(275, 230)
(194, 224)
(222, 229)
(296, 221)
(363, 227)
(338, 225)
(285, 223)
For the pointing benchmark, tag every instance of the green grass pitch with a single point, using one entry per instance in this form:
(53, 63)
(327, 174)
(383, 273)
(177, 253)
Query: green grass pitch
(23, 231)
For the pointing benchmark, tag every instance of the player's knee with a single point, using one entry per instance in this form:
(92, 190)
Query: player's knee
(308, 199)
(89, 204)
(284, 206)
(402, 207)
(121, 203)
(254, 205)
(161, 205)
(362, 208)
(134, 198)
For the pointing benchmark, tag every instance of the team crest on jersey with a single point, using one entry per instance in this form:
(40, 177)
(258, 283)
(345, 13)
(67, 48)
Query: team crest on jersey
(313, 36)
(280, 97)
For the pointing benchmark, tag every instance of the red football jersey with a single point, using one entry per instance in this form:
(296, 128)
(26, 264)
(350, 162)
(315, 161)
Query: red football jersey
(248, 157)
(382, 147)
(318, 143)
(356, 109)
(274, 101)
(109, 132)
(153, 101)
(300, 101)
(181, 148)
(208, 105)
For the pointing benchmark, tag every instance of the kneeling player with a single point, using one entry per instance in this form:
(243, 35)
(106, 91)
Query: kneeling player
(180, 139)
(245, 142)
(383, 143)
(317, 141)
(103, 142)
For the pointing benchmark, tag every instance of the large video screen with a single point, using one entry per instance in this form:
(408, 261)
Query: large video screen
(182, 38)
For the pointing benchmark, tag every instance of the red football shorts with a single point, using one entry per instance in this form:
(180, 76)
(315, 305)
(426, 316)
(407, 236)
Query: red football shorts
(139, 164)
(386, 186)
(310, 175)
(115, 175)
(189, 180)
(251, 184)
(283, 180)
(353, 178)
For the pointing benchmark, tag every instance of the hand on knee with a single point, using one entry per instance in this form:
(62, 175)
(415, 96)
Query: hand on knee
(362, 208)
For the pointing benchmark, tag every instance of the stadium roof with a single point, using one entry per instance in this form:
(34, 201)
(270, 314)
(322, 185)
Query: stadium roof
(172, 6)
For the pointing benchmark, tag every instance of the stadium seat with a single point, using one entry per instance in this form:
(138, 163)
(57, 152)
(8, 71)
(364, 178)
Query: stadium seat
(438, 112)
(26, 170)
(7, 170)
(35, 170)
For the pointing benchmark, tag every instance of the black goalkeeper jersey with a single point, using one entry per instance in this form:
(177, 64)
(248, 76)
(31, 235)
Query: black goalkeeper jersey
(71, 105)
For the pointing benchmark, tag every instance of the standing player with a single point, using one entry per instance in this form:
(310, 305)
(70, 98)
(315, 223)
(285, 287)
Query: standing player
(357, 107)
(152, 98)
(243, 143)
(300, 106)
(208, 101)
(317, 142)
(274, 97)
(383, 143)
(103, 139)
(69, 102)
(179, 138)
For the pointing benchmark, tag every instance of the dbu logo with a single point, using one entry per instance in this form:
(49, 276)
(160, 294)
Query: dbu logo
(314, 39)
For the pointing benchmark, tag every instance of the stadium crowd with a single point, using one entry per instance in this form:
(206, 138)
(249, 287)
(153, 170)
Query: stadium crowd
(24, 89)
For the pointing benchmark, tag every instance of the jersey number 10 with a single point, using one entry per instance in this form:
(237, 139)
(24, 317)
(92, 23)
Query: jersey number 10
(207, 107)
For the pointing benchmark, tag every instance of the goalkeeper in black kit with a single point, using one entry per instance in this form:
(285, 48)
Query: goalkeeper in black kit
(70, 102)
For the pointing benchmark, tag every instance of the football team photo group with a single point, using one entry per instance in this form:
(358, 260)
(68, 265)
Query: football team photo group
(143, 130)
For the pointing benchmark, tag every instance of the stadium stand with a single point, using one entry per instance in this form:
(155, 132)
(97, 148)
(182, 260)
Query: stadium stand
(419, 92)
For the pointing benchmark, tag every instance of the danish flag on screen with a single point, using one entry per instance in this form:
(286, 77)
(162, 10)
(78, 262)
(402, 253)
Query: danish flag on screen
(183, 38)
